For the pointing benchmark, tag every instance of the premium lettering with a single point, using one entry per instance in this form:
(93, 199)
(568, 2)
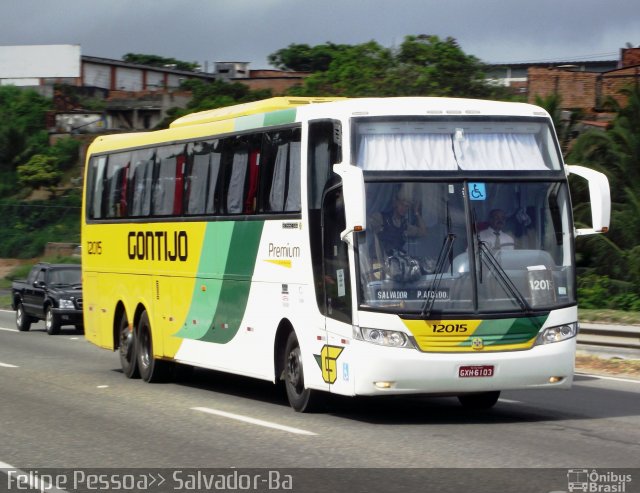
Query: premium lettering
(283, 251)
(158, 245)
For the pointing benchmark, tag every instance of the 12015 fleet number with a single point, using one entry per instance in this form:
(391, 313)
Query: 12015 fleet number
(449, 328)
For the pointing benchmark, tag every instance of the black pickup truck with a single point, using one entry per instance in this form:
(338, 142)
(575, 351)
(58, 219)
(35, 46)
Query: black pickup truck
(53, 293)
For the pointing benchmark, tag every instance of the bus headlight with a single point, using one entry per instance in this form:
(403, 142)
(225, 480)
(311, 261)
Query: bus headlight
(392, 338)
(557, 333)
(66, 304)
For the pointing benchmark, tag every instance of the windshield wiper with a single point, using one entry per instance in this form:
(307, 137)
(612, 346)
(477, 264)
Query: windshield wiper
(445, 253)
(497, 270)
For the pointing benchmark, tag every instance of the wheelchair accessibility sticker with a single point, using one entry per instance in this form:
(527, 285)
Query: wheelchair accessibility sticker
(477, 191)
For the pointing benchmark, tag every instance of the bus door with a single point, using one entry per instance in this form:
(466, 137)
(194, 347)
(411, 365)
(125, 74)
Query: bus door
(337, 290)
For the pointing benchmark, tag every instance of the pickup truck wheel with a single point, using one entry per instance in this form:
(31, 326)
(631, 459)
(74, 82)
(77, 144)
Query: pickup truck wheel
(51, 322)
(23, 322)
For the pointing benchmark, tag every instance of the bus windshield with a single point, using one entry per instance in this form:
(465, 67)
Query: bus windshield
(466, 247)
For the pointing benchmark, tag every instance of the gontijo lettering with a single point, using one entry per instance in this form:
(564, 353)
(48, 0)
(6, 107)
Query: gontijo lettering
(158, 245)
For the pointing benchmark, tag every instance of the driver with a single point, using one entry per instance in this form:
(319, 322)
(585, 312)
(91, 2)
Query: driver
(494, 236)
(393, 227)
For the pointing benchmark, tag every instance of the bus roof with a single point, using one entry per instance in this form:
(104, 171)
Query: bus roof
(238, 110)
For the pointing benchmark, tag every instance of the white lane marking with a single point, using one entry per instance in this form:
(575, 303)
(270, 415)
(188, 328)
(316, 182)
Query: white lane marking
(7, 365)
(9, 330)
(254, 421)
(510, 401)
(16, 476)
(102, 387)
(601, 377)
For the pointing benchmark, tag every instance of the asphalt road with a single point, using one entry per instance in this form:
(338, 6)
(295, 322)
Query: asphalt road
(65, 403)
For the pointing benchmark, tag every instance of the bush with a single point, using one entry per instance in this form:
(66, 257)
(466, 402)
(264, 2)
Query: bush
(596, 291)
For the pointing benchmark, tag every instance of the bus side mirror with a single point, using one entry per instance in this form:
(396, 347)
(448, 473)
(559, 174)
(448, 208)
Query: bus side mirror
(354, 199)
(600, 197)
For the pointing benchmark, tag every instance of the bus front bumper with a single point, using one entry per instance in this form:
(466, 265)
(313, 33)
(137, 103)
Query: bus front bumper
(385, 370)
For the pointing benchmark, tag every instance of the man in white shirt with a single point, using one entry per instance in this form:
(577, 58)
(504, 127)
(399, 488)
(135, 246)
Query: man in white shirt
(493, 236)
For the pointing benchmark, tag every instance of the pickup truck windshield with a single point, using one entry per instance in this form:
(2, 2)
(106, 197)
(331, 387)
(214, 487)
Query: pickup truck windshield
(466, 247)
(64, 276)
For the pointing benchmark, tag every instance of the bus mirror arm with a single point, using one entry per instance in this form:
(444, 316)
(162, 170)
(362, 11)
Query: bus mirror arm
(354, 199)
(600, 198)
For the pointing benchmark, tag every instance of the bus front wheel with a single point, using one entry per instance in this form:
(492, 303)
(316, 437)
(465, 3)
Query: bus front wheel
(127, 349)
(150, 368)
(300, 398)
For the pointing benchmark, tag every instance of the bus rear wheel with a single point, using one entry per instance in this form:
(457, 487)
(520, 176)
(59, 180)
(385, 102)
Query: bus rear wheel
(151, 369)
(480, 400)
(300, 398)
(127, 349)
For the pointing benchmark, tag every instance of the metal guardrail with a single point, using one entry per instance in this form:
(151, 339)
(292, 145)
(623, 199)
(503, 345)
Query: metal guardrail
(617, 336)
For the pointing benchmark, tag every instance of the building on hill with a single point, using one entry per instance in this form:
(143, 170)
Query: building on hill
(134, 96)
(585, 90)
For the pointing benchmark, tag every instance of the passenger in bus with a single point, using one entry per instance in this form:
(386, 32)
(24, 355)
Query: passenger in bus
(494, 236)
(395, 226)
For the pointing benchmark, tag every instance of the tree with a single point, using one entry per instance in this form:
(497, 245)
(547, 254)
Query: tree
(40, 171)
(304, 58)
(358, 70)
(22, 122)
(564, 127)
(439, 67)
(421, 66)
(158, 61)
(615, 152)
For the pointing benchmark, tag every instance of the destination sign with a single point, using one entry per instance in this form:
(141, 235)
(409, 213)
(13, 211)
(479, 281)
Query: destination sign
(411, 294)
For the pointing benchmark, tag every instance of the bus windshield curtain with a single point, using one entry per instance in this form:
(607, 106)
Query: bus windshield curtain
(443, 152)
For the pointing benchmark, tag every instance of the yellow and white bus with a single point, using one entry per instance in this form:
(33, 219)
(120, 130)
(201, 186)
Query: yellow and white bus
(352, 246)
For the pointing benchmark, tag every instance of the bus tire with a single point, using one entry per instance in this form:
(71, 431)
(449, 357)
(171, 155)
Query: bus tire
(51, 322)
(127, 348)
(151, 369)
(23, 321)
(480, 400)
(301, 399)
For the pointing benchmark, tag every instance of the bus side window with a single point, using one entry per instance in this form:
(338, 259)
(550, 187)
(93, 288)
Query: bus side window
(115, 188)
(196, 177)
(252, 185)
(280, 174)
(95, 186)
(167, 189)
(236, 166)
(140, 182)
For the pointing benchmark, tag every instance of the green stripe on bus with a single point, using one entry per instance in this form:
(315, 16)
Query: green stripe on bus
(280, 117)
(249, 122)
(507, 331)
(206, 292)
(236, 283)
(219, 277)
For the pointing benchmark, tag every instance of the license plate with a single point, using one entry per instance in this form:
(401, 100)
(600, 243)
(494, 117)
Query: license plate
(475, 371)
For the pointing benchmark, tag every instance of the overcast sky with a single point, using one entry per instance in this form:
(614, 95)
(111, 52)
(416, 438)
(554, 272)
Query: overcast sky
(249, 30)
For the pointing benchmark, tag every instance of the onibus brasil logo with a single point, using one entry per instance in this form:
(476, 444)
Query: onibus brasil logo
(595, 481)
